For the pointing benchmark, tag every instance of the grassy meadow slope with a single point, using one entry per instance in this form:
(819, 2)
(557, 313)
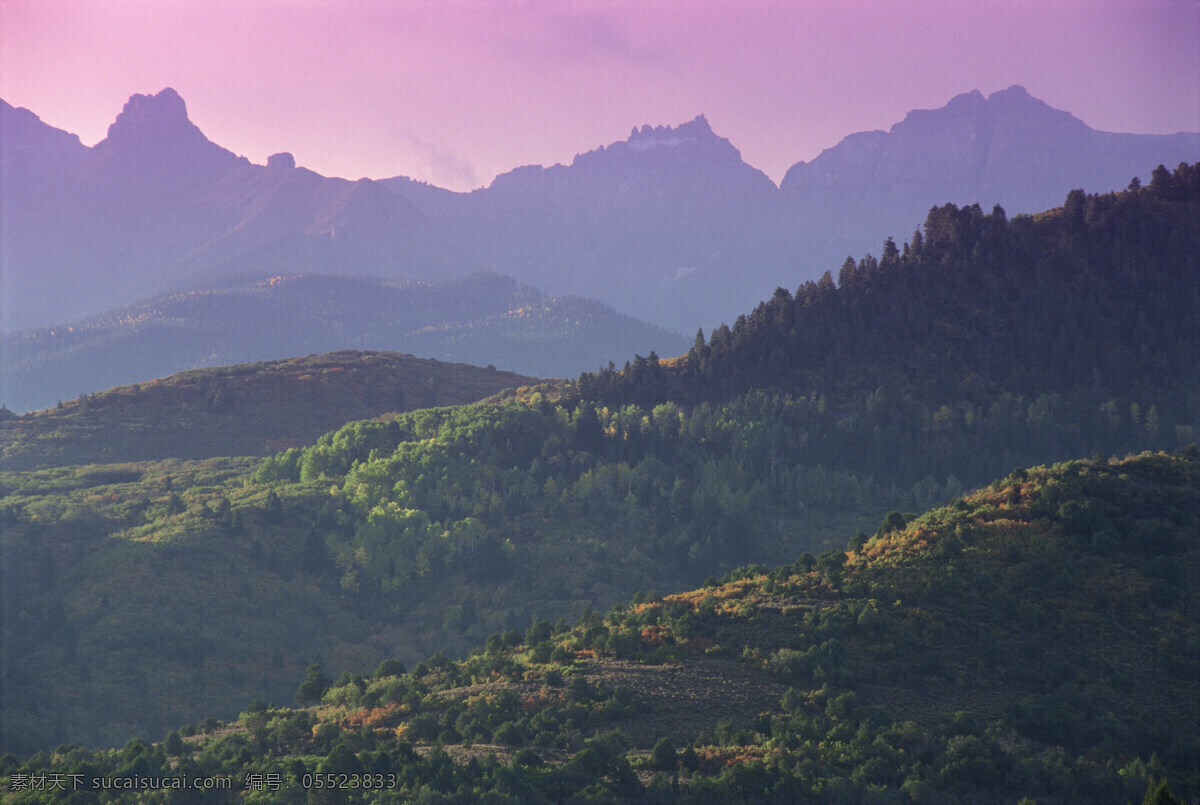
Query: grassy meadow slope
(1035, 638)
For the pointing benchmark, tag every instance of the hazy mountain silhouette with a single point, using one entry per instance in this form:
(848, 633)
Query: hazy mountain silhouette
(663, 225)
(156, 206)
(670, 225)
(33, 150)
(481, 319)
(1009, 149)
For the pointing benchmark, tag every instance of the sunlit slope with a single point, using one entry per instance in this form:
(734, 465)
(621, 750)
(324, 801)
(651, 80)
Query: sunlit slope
(1032, 639)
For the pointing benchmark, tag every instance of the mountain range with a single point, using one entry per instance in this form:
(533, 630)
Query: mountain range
(1009, 149)
(176, 551)
(670, 225)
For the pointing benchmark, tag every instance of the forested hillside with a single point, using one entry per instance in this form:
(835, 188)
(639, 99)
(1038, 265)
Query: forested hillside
(426, 533)
(980, 345)
(391, 538)
(1034, 639)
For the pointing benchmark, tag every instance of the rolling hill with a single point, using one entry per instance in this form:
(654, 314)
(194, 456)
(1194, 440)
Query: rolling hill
(483, 319)
(1033, 639)
(244, 410)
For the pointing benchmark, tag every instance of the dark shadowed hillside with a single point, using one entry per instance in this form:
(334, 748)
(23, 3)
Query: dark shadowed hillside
(246, 410)
(984, 342)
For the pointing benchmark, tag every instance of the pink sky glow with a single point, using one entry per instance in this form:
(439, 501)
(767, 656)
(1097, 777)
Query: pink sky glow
(454, 92)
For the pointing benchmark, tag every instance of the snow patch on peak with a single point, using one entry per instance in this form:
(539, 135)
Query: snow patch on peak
(666, 136)
(668, 140)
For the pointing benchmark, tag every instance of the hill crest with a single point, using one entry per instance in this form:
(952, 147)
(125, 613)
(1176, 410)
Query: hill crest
(244, 410)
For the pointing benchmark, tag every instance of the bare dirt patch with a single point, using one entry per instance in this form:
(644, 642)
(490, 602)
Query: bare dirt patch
(684, 700)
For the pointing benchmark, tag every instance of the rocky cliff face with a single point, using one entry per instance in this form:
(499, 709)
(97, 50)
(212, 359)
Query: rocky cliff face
(155, 153)
(157, 121)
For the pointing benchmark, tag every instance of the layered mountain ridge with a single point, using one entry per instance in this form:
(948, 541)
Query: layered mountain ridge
(156, 206)
(670, 225)
(480, 319)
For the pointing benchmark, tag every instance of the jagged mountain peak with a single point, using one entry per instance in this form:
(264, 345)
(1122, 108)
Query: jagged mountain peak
(1015, 91)
(154, 151)
(649, 136)
(153, 119)
(1017, 96)
(673, 148)
(962, 105)
(693, 142)
(1012, 102)
(696, 135)
(283, 161)
(1015, 103)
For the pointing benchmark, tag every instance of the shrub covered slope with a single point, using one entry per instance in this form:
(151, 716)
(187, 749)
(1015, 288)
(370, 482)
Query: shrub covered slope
(1036, 638)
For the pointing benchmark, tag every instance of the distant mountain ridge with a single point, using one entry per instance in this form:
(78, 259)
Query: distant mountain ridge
(1009, 149)
(663, 225)
(670, 225)
(481, 319)
(978, 142)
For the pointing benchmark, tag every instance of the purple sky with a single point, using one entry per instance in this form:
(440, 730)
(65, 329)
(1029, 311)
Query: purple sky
(454, 92)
